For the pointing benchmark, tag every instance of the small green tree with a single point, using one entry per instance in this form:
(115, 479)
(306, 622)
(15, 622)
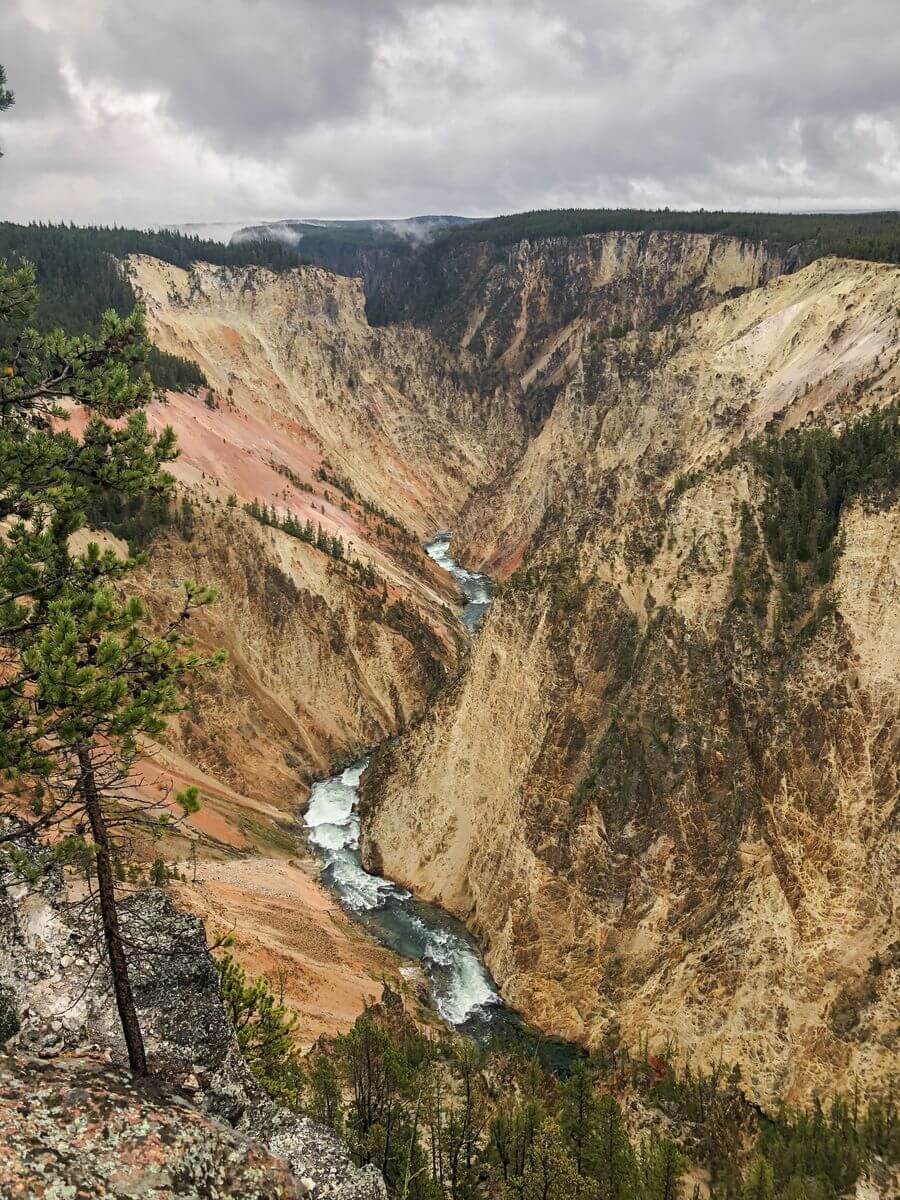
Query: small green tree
(578, 1112)
(759, 1183)
(377, 1075)
(265, 1032)
(609, 1154)
(325, 1098)
(660, 1167)
(551, 1173)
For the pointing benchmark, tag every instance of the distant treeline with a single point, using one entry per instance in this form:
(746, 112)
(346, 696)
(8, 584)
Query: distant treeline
(359, 234)
(874, 236)
(79, 280)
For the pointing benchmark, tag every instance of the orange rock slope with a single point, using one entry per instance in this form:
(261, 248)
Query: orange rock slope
(377, 436)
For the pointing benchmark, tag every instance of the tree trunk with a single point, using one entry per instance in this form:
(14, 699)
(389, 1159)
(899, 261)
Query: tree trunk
(109, 915)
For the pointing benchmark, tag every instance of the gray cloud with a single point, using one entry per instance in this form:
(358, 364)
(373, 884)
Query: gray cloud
(169, 110)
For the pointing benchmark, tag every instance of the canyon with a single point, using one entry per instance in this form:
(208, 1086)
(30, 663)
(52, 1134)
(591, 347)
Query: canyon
(661, 819)
(660, 823)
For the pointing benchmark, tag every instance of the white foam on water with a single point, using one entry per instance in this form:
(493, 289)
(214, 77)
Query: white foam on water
(354, 773)
(330, 803)
(334, 829)
(360, 890)
(469, 988)
(475, 587)
(335, 837)
(461, 984)
(438, 549)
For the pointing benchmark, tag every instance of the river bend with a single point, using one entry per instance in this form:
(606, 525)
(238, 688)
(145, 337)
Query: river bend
(462, 990)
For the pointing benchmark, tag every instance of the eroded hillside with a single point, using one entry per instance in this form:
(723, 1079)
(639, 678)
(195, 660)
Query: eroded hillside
(411, 424)
(374, 438)
(669, 810)
(528, 308)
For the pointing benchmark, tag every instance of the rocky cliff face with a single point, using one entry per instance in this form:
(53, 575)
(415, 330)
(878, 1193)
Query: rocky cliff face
(661, 818)
(638, 412)
(320, 666)
(527, 309)
(377, 436)
(411, 424)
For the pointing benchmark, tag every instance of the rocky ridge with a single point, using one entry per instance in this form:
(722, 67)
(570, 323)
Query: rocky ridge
(411, 423)
(202, 1122)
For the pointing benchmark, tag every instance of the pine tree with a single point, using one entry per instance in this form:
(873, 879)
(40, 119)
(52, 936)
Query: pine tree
(759, 1184)
(610, 1158)
(578, 1112)
(265, 1032)
(82, 675)
(660, 1167)
(7, 98)
(326, 1101)
(551, 1172)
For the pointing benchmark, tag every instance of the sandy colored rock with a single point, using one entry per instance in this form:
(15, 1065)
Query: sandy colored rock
(657, 824)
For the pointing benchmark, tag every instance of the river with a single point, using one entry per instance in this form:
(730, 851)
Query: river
(462, 990)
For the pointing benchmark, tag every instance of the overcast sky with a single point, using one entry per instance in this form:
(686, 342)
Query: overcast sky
(149, 111)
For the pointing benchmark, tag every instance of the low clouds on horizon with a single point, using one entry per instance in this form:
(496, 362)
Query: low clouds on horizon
(147, 111)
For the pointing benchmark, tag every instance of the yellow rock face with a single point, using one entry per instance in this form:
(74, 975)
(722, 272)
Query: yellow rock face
(657, 824)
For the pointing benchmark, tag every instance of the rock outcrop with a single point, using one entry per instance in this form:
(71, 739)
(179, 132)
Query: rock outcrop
(56, 1001)
(78, 1127)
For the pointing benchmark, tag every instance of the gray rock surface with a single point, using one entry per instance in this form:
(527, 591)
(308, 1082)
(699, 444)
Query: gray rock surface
(72, 1127)
(54, 985)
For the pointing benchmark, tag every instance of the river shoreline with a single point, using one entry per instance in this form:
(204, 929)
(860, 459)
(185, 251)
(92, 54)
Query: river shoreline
(462, 991)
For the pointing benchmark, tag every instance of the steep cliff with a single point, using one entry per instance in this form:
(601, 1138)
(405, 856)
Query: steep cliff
(666, 813)
(393, 410)
(377, 437)
(526, 309)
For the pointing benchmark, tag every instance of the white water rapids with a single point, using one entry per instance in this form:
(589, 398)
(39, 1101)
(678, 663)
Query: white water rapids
(462, 990)
(476, 588)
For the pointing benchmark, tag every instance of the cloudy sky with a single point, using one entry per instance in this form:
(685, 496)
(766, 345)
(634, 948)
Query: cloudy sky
(148, 111)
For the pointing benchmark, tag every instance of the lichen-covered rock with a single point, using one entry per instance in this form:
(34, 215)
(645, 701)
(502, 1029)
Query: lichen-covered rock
(82, 1128)
(57, 992)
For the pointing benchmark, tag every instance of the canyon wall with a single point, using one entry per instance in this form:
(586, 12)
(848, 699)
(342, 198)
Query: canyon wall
(663, 815)
(377, 437)
(294, 359)
(526, 309)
